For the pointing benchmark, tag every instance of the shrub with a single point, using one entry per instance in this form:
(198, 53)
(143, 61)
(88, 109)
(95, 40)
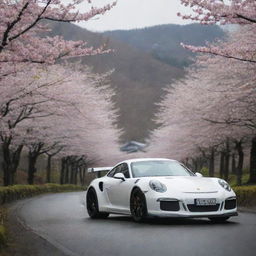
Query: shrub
(205, 172)
(3, 237)
(246, 195)
(12, 193)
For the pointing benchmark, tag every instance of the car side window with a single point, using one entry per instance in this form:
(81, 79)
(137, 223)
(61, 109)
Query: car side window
(121, 168)
(112, 172)
(125, 170)
(117, 169)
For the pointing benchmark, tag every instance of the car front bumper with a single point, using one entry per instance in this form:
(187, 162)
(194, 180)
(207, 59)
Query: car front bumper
(183, 205)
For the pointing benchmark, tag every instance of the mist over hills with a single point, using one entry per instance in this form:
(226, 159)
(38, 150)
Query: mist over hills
(145, 61)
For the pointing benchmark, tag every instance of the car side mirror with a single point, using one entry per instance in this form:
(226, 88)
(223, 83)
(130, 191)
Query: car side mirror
(119, 176)
(198, 174)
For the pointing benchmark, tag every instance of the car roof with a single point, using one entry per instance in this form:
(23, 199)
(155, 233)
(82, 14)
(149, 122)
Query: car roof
(129, 161)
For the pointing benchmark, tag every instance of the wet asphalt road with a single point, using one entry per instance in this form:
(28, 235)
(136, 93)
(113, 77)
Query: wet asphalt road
(62, 220)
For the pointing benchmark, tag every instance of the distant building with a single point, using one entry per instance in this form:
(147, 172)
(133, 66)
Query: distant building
(133, 146)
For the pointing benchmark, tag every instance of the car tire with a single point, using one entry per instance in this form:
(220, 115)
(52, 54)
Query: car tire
(138, 205)
(219, 219)
(92, 205)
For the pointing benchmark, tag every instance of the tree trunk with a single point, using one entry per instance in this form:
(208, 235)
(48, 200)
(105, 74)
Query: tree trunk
(233, 168)
(74, 166)
(80, 174)
(195, 165)
(32, 158)
(62, 171)
(84, 173)
(6, 164)
(7, 174)
(211, 163)
(222, 164)
(252, 178)
(83, 179)
(66, 180)
(34, 152)
(48, 169)
(11, 159)
(239, 170)
(16, 161)
(227, 156)
(76, 173)
(72, 174)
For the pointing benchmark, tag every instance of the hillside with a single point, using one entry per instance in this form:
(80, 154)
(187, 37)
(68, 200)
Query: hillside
(163, 41)
(140, 74)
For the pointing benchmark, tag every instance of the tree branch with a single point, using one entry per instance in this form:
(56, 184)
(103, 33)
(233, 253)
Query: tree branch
(246, 18)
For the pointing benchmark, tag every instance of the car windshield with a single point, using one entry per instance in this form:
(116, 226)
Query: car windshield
(159, 168)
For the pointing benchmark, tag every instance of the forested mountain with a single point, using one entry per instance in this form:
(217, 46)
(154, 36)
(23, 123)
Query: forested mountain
(163, 41)
(142, 66)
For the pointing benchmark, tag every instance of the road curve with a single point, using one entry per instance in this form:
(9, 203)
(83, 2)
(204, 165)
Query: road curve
(62, 220)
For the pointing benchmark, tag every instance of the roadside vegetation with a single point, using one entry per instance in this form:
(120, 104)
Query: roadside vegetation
(16, 192)
(246, 195)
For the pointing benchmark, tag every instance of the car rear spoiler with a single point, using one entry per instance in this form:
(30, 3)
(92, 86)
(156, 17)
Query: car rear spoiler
(99, 169)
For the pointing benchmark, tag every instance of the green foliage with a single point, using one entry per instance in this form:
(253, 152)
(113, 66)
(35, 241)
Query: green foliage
(205, 172)
(246, 195)
(12, 193)
(3, 237)
(232, 179)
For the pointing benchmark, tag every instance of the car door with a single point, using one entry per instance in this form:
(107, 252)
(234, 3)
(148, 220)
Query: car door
(119, 190)
(110, 182)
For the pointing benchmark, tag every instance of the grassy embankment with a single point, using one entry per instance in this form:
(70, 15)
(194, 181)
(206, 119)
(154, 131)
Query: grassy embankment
(16, 192)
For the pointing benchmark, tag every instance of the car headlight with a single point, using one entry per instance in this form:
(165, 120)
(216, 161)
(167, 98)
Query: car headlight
(224, 184)
(157, 186)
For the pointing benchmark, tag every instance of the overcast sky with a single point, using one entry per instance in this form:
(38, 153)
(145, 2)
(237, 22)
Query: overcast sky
(129, 14)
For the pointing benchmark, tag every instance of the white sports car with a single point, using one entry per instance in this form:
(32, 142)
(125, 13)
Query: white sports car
(159, 187)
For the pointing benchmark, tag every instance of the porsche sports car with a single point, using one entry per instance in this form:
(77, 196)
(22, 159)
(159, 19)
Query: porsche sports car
(159, 187)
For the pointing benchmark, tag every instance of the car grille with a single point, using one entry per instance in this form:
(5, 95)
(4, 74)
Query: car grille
(169, 205)
(203, 208)
(230, 204)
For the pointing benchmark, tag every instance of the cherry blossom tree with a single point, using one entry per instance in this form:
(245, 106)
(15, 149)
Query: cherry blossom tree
(22, 26)
(240, 46)
(62, 107)
(212, 109)
(33, 95)
(20, 100)
(21, 35)
(223, 12)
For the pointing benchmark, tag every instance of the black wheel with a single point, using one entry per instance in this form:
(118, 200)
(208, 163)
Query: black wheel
(92, 205)
(219, 219)
(138, 205)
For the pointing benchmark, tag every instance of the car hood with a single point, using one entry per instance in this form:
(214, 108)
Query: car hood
(190, 184)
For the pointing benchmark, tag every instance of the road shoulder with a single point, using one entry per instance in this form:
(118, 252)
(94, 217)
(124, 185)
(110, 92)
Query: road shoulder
(247, 209)
(23, 241)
